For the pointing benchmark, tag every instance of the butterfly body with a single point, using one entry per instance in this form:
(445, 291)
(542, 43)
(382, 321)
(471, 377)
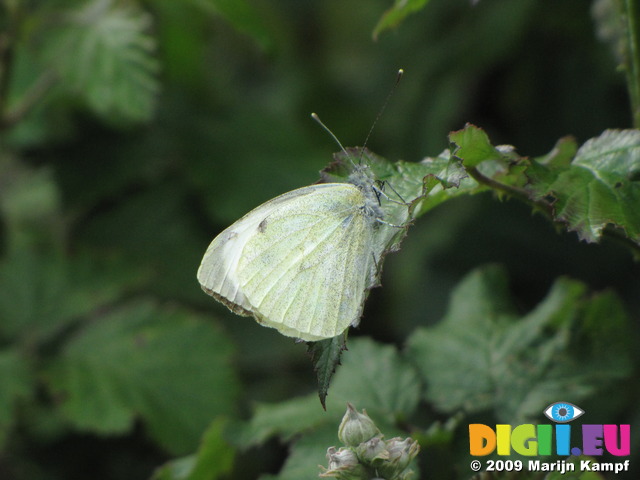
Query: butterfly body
(301, 262)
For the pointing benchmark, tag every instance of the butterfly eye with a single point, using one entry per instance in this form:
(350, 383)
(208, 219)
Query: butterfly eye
(563, 412)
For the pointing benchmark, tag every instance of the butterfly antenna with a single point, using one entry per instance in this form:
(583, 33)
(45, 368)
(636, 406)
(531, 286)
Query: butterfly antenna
(366, 140)
(380, 112)
(344, 150)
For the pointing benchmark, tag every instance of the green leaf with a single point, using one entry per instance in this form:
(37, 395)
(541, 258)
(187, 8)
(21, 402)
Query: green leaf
(472, 146)
(30, 205)
(446, 178)
(17, 383)
(169, 366)
(306, 454)
(561, 155)
(610, 27)
(43, 293)
(599, 188)
(397, 13)
(482, 356)
(213, 458)
(105, 54)
(144, 240)
(284, 419)
(378, 378)
(241, 15)
(325, 356)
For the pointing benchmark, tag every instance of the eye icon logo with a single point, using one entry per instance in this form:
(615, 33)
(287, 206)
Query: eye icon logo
(563, 412)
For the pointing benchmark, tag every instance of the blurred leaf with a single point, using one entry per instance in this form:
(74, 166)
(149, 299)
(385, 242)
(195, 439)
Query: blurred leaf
(213, 459)
(610, 26)
(216, 145)
(169, 366)
(284, 419)
(241, 15)
(153, 230)
(376, 377)
(30, 205)
(45, 115)
(483, 357)
(104, 54)
(396, 14)
(306, 454)
(17, 382)
(180, 31)
(42, 293)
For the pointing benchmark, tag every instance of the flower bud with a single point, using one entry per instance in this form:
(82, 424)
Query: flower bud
(341, 458)
(372, 452)
(343, 465)
(401, 452)
(356, 428)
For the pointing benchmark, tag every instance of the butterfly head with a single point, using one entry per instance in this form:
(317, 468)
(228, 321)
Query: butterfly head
(363, 178)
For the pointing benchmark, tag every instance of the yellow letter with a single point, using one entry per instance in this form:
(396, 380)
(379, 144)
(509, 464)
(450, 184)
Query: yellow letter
(503, 433)
(523, 440)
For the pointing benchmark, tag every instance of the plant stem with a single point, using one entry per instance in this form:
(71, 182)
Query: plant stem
(29, 100)
(546, 208)
(632, 18)
(7, 39)
(510, 190)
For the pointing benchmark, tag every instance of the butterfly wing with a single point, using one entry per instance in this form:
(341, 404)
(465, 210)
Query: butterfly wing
(218, 272)
(300, 263)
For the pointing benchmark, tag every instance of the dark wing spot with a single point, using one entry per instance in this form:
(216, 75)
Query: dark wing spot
(262, 226)
(227, 236)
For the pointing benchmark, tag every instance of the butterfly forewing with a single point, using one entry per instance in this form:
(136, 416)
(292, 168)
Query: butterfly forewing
(218, 272)
(300, 263)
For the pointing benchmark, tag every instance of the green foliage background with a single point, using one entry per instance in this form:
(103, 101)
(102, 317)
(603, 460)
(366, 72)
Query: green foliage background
(133, 132)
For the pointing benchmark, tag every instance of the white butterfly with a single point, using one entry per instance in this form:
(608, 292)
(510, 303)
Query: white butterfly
(303, 261)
